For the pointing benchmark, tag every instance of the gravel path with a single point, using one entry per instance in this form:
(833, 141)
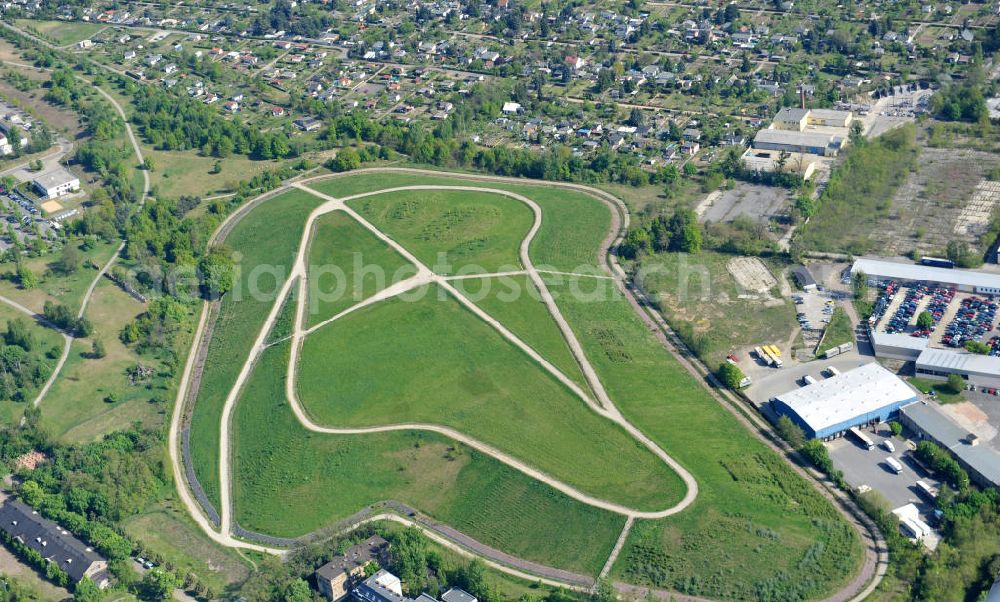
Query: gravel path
(875, 559)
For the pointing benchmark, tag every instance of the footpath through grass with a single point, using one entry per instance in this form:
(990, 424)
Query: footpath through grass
(517, 304)
(757, 530)
(432, 361)
(347, 264)
(452, 232)
(47, 346)
(94, 396)
(268, 239)
(573, 223)
(279, 479)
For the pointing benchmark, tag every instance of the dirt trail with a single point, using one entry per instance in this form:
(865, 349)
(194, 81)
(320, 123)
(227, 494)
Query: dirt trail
(875, 559)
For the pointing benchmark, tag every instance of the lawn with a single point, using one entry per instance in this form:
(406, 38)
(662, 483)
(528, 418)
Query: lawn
(77, 406)
(279, 478)
(756, 530)
(63, 32)
(45, 339)
(347, 263)
(169, 532)
(452, 232)
(838, 331)
(942, 391)
(179, 173)
(268, 239)
(517, 304)
(431, 360)
(573, 223)
(67, 290)
(702, 301)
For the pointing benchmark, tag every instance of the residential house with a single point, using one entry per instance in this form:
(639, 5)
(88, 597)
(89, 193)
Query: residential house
(337, 577)
(56, 545)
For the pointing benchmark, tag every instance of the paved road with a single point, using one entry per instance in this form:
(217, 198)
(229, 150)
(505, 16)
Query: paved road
(49, 161)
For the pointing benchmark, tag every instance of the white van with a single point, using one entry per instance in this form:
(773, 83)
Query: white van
(894, 464)
(889, 447)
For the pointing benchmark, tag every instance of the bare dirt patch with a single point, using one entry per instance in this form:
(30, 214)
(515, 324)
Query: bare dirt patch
(751, 275)
(947, 198)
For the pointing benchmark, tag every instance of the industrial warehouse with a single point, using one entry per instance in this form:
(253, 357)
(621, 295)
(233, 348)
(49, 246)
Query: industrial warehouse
(826, 409)
(963, 311)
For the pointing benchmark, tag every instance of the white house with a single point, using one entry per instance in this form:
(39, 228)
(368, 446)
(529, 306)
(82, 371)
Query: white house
(56, 183)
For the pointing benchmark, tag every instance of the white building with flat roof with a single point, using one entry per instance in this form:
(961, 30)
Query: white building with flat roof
(979, 370)
(880, 271)
(56, 183)
(794, 141)
(827, 408)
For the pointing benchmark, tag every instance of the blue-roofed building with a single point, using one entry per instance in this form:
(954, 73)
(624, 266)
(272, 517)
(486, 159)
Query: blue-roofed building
(865, 395)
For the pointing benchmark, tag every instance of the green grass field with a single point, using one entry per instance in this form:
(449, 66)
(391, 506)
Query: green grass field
(179, 173)
(756, 530)
(67, 290)
(170, 531)
(556, 245)
(63, 32)
(347, 264)
(268, 238)
(701, 300)
(838, 331)
(517, 304)
(45, 339)
(433, 361)
(279, 478)
(76, 408)
(452, 232)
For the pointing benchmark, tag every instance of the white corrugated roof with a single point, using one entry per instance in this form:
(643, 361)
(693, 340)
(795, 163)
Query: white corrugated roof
(969, 363)
(910, 271)
(853, 393)
(792, 137)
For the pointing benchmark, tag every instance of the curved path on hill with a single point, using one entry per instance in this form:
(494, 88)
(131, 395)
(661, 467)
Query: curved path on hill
(63, 150)
(68, 339)
(864, 583)
(603, 405)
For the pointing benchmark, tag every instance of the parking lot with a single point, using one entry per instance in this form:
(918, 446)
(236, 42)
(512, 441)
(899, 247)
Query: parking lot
(958, 317)
(771, 382)
(863, 467)
(22, 216)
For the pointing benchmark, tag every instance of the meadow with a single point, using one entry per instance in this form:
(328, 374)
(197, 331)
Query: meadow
(180, 173)
(279, 478)
(347, 264)
(168, 530)
(93, 396)
(56, 287)
(702, 302)
(63, 32)
(267, 236)
(46, 340)
(452, 232)
(517, 304)
(751, 506)
(433, 361)
(573, 224)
